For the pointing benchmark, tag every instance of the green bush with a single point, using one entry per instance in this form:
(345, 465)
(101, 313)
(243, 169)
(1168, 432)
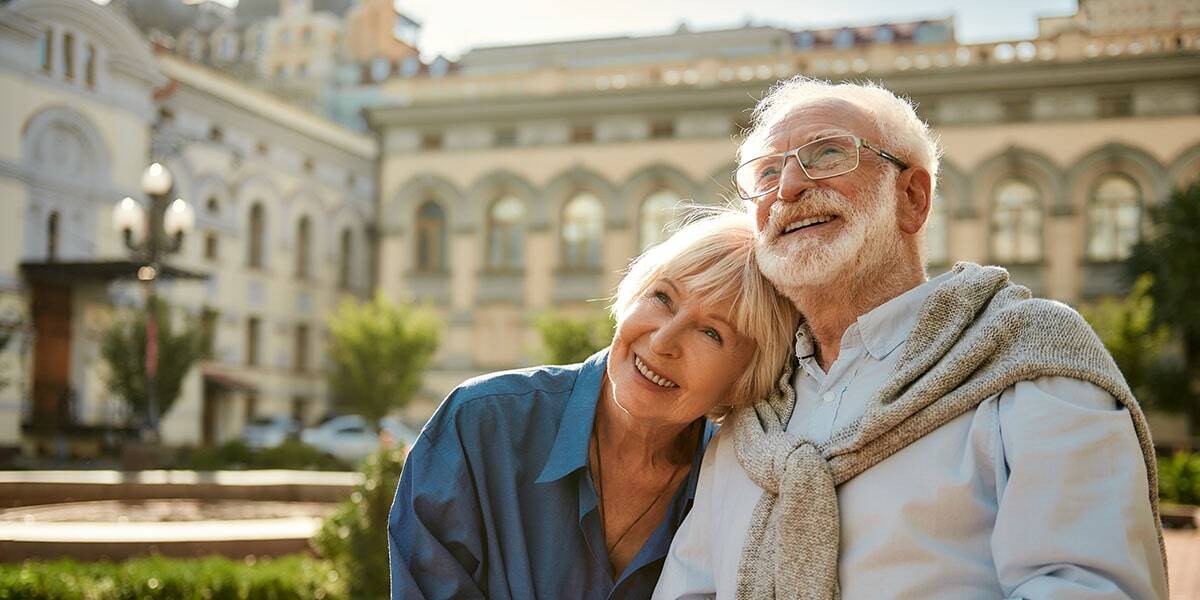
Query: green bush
(295, 577)
(354, 537)
(291, 454)
(1179, 478)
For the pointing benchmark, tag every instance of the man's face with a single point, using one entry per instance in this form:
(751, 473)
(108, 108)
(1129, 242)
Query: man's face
(814, 232)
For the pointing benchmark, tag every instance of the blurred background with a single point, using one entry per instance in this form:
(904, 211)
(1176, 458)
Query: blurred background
(273, 234)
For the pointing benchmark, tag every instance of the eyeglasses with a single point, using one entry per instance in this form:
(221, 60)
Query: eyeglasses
(819, 159)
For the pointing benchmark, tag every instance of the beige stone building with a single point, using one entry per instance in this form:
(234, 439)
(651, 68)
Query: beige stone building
(283, 203)
(524, 179)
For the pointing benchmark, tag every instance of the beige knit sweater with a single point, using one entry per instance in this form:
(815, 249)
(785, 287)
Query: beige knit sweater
(977, 334)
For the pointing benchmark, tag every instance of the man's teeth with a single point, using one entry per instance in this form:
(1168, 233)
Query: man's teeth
(806, 222)
(651, 375)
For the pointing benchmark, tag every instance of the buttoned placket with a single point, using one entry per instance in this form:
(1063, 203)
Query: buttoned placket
(819, 395)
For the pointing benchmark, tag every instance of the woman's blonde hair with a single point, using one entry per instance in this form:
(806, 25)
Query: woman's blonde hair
(713, 256)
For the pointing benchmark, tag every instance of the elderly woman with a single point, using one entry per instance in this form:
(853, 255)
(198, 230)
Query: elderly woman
(570, 481)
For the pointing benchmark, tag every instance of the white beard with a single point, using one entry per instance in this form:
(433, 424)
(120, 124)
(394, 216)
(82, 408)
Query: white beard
(868, 236)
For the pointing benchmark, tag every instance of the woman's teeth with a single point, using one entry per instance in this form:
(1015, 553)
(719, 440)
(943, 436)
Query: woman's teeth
(651, 375)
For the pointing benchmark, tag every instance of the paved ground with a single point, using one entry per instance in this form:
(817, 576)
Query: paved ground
(1183, 561)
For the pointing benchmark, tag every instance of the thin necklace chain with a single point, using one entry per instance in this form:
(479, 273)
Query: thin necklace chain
(600, 488)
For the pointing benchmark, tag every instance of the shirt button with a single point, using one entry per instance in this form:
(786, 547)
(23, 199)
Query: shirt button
(829, 397)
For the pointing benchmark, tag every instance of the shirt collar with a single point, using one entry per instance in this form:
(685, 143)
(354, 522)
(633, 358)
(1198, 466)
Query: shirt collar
(888, 325)
(570, 449)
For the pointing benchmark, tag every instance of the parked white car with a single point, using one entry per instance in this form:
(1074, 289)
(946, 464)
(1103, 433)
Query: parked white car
(350, 439)
(269, 431)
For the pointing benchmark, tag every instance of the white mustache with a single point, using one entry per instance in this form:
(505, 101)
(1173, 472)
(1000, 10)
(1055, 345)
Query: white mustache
(821, 201)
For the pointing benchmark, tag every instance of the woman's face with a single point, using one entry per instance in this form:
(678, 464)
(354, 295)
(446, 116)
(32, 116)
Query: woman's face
(675, 357)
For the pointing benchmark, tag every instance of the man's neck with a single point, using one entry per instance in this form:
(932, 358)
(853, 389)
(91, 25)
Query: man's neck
(830, 309)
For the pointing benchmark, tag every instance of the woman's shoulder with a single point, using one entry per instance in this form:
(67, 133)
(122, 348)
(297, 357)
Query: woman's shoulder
(505, 397)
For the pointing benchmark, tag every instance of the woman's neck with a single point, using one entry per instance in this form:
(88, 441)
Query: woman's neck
(651, 444)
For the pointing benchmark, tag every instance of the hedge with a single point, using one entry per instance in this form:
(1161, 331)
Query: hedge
(295, 577)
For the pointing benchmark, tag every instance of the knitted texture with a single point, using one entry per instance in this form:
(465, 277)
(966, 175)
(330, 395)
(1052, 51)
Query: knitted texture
(977, 334)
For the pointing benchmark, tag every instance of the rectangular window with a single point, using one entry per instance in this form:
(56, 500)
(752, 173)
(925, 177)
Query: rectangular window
(506, 137)
(208, 329)
(46, 49)
(251, 406)
(300, 409)
(89, 65)
(662, 129)
(583, 134)
(1116, 105)
(431, 141)
(300, 354)
(211, 247)
(68, 56)
(1017, 109)
(252, 332)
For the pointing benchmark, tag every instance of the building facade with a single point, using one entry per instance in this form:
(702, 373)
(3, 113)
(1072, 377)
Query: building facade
(283, 199)
(525, 179)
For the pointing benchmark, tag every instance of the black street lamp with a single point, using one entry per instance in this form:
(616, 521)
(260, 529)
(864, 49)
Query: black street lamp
(161, 232)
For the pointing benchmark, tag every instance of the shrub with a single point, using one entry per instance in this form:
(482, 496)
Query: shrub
(295, 577)
(354, 537)
(1179, 478)
(569, 339)
(291, 454)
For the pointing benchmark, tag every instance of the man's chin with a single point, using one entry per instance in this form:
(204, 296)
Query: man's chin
(797, 267)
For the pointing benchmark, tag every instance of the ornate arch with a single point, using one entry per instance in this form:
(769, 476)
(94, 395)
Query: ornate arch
(399, 212)
(488, 188)
(1027, 164)
(1136, 163)
(954, 187)
(1185, 169)
(60, 142)
(654, 177)
(563, 186)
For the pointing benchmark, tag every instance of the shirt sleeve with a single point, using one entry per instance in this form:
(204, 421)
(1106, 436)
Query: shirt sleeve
(687, 571)
(435, 534)
(1073, 519)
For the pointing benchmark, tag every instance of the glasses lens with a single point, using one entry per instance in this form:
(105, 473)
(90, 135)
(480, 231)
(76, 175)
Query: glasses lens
(829, 156)
(758, 176)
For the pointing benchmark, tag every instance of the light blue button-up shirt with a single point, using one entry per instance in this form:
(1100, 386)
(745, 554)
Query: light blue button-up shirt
(1040, 492)
(496, 499)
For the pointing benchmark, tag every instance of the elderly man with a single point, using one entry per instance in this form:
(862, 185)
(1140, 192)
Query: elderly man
(937, 438)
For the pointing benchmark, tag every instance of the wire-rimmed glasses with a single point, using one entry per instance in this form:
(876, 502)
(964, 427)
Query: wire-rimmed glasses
(819, 159)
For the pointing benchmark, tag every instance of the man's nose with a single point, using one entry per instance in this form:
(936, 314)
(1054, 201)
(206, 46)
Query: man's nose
(793, 182)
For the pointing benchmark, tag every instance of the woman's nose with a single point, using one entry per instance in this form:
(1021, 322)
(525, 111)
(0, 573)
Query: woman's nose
(665, 340)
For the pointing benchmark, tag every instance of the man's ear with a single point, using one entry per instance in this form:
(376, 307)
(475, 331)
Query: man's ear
(913, 190)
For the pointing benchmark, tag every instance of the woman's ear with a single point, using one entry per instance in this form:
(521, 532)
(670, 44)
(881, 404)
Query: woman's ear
(913, 190)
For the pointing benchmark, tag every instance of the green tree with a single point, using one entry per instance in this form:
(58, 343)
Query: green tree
(123, 349)
(1140, 345)
(1172, 256)
(572, 339)
(379, 351)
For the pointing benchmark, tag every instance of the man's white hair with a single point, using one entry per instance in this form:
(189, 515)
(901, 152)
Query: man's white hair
(903, 132)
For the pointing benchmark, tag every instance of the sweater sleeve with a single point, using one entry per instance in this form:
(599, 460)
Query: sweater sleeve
(1074, 517)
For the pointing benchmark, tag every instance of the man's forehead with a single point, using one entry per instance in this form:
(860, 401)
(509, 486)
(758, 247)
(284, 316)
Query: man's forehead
(820, 115)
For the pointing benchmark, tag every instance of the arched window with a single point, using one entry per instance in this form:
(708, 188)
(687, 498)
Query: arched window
(1114, 218)
(1016, 223)
(345, 258)
(303, 248)
(254, 253)
(506, 238)
(656, 217)
(52, 237)
(843, 39)
(431, 238)
(582, 226)
(937, 233)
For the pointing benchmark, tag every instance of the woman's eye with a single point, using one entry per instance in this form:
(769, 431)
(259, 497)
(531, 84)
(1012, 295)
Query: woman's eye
(662, 297)
(712, 333)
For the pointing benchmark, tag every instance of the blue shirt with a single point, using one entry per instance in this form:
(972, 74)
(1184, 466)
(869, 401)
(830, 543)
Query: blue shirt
(496, 499)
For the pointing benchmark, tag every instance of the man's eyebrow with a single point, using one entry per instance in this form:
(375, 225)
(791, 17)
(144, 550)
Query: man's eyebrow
(772, 148)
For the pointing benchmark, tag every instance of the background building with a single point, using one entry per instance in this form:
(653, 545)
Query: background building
(513, 181)
(525, 178)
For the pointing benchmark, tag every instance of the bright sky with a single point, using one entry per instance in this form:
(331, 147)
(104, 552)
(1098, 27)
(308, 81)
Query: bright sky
(453, 26)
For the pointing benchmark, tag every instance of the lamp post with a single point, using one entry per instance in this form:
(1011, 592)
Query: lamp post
(161, 231)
